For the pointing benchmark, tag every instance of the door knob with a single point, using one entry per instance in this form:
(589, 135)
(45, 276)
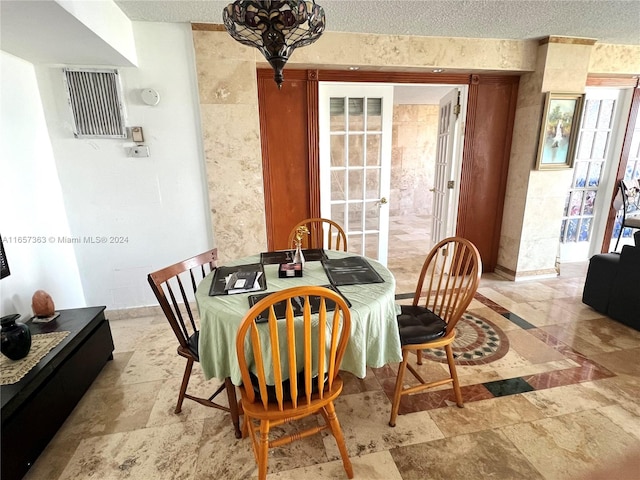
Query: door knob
(383, 200)
(432, 189)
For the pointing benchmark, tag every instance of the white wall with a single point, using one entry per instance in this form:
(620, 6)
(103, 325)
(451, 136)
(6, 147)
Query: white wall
(156, 206)
(31, 198)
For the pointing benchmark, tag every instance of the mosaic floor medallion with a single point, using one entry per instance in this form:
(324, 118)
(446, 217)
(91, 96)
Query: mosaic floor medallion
(478, 341)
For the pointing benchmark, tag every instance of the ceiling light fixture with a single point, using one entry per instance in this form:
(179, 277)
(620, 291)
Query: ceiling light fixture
(276, 28)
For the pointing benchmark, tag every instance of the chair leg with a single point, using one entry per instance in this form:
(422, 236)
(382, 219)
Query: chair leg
(397, 392)
(334, 425)
(263, 450)
(615, 249)
(419, 357)
(233, 406)
(454, 375)
(183, 387)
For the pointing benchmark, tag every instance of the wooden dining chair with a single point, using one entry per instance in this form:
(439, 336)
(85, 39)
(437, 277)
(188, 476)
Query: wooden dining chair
(170, 286)
(304, 356)
(448, 281)
(323, 233)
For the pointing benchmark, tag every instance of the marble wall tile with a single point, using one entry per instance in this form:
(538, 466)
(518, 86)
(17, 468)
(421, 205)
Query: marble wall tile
(338, 48)
(559, 78)
(615, 59)
(227, 82)
(413, 163)
(234, 175)
(211, 46)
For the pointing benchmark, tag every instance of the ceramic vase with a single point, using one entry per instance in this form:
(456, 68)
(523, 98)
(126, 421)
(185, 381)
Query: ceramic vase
(15, 340)
(298, 257)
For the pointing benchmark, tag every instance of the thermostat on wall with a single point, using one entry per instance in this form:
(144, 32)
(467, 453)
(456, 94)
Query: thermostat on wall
(150, 96)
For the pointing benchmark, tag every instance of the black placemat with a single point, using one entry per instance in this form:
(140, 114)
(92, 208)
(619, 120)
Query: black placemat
(297, 305)
(350, 271)
(220, 274)
(286, 256)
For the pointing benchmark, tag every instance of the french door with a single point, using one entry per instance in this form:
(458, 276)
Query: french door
(443, 220)
(598, 147)
(355, 162)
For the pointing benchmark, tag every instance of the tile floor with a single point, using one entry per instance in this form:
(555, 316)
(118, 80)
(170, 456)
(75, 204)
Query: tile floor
(563, 400)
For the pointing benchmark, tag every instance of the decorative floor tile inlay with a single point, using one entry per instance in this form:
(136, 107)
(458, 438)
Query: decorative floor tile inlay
(510, 386)
(478, 341)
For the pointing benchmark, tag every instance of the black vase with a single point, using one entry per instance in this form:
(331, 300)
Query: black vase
(16, 337)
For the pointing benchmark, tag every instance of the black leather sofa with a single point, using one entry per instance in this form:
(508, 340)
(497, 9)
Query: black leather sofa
(612, 286)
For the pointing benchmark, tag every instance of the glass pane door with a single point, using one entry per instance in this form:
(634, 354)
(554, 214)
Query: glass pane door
(587, 203)
(355, 159)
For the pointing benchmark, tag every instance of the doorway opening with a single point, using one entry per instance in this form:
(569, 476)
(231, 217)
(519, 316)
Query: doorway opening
(416, 110)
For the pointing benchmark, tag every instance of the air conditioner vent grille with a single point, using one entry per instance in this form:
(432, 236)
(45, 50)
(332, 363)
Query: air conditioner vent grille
(95, 100)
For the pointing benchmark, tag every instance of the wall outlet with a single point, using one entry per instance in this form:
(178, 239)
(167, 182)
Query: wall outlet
(139, 151)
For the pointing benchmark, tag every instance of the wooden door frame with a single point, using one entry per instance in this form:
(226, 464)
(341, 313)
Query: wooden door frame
(474, 151)
(354, 77)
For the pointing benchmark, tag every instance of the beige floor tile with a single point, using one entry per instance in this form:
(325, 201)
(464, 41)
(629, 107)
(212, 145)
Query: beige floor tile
(621, 362)
(567, 399)
(374, 466)
(107, 410)
(624, 418)
(480, 455)
(52, 462)
(579, 441)
(151, 453)
(221, 455)
(163, 409)
(364, 418)
(484, 415)
(531, 349)
(623, 390)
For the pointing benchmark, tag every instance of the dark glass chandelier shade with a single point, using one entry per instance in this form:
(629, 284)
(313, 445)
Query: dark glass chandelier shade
(276, 28)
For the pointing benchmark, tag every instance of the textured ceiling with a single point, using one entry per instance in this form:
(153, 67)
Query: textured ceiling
(608, 21)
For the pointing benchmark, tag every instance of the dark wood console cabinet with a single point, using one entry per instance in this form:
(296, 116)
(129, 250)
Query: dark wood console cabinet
(34, 408)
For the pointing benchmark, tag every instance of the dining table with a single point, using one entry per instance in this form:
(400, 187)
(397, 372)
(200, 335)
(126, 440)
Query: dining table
(374, 340)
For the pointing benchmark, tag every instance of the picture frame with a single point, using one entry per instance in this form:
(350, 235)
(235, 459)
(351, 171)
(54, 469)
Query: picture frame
(559, 130)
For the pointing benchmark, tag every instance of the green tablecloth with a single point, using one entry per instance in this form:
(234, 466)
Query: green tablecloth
(374, 338)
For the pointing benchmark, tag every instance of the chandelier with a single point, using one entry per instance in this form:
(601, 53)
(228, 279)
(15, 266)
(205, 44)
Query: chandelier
(276, 28)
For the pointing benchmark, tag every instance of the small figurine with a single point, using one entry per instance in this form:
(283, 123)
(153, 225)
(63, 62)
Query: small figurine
(298, 257)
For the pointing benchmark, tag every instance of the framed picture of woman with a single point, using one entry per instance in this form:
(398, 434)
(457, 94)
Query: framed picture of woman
(560, 122)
